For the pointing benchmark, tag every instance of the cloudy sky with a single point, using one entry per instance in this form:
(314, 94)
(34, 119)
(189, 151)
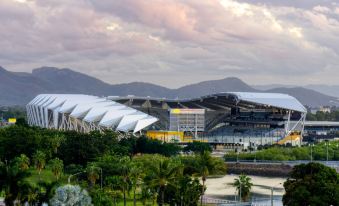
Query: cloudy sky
(175, 42)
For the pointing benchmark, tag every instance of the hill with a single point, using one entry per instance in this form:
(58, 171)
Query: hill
(18, 88)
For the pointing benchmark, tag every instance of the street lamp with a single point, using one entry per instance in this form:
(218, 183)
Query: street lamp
(311, 152)
(70, 176)
(327, 151)
(272, 188)
(239, 191)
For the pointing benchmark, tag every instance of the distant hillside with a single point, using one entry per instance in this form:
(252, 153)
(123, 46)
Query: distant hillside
(332, 90)
(307, 96)
(18, 88)
(230, 84)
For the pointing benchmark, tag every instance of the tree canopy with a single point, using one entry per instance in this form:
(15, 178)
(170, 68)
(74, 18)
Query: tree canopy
(312, 184)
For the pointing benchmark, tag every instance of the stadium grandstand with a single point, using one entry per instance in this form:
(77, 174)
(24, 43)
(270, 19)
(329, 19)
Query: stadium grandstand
(231, 118)
(84, 113)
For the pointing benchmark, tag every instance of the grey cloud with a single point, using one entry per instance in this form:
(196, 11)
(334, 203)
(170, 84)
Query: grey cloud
(173, 42)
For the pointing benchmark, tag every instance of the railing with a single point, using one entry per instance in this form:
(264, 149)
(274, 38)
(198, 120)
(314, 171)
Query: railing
(333, 164)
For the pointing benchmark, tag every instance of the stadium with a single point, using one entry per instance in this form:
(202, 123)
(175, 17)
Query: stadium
(243, 118)
(84, 113)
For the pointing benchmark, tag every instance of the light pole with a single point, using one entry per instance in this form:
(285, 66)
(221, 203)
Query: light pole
(327, 151)
(240, 191)
(311, 152)
(70, 176)
(272, 188)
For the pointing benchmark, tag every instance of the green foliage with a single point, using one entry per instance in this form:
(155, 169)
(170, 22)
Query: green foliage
(186, 191)
(12, 176)
(136, 170)
(323, 116)
(13, 112)
(278, 153)
(149, 146)
(57, 167)
(243, 184)
(39, 159)
(312, 184)
(22, 161)
(101, 198)
(162, 174)
(197, 147)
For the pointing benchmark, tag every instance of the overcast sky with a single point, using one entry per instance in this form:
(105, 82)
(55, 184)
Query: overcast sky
(175, 42)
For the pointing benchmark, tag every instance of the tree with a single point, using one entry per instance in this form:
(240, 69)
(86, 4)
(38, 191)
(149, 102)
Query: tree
(115, 185)
(92, 174)
(206, 165)
(197, 147)
(243, 185)
(125, 171)
(186, 191)
(57, 167)
(137, 175)
(56, 142)
(312, 184)
(39, 161)
(71, 195)
(22, 161)
(163, 174)
(11, 180)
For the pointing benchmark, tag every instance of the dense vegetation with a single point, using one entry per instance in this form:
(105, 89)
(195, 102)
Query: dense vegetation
(112, 167)
(323, 116)
(281, 153)
(12, 112)
(312, 184)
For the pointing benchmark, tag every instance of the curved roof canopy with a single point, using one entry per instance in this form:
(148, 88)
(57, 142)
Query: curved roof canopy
(221, 101)
(76, 111)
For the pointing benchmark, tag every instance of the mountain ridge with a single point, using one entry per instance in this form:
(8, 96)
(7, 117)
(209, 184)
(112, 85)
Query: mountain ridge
(18, 88)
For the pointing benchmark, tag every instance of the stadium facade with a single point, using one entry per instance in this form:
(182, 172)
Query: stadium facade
(84, 113)
(231, 117)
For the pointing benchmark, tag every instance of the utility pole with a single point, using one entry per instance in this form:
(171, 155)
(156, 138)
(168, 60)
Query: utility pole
(240, 191)
(311, 152)
(272, 196)
(327, 151)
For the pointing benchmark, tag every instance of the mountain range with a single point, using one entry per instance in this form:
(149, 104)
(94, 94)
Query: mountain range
(18, 88)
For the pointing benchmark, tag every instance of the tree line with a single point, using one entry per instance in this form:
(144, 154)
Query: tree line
(319, 151)
(37, 164)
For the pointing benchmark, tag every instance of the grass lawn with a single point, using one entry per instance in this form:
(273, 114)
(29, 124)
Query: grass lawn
(46, 175)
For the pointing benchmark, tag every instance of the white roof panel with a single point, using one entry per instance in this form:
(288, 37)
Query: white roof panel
(272, 99)
(85, 108)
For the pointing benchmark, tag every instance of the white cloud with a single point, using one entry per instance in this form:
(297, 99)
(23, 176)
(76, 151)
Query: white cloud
(159, 40)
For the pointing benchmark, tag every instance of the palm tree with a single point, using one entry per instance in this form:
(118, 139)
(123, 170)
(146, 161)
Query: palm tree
(23, 162)
(39, 161)
(205, 167)
(243, 185)
(125, 171)
(116, 186)
(57, 167)
(163, 174)
(11, 179)
(92, 174)
(56, 142)
(137, 175)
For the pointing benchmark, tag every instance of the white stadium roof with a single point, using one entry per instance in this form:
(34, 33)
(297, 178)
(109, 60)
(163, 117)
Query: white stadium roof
(84, 113)
(272, 99)
(225, 99)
